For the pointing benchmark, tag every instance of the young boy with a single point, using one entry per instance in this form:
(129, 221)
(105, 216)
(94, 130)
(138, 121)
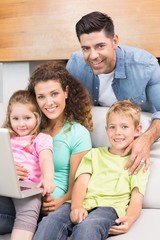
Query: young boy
(106, 199)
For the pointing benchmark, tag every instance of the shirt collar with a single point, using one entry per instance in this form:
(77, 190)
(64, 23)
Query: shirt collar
(120, 63)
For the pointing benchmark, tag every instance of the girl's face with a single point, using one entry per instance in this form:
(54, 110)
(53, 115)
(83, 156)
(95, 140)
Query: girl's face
(22, 118)
(121, 132)
(51, 99)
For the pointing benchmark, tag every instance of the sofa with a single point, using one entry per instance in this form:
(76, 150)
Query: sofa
(147, 227)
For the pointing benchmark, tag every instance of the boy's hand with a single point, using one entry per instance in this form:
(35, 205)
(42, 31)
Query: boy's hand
(77, 215)
(123, 227)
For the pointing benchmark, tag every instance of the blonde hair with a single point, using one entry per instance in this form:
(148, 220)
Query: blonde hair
(23, 97)
(126, 107)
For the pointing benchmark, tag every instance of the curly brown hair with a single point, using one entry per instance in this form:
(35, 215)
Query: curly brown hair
(23, 97)
(78, 104)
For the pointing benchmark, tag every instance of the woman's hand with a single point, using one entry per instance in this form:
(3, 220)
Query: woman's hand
(22, 173)
(50, 204)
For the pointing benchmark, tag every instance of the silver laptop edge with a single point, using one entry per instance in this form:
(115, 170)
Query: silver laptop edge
(9, 183)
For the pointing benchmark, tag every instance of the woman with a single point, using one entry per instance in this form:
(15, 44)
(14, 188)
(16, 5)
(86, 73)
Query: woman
(66, 116)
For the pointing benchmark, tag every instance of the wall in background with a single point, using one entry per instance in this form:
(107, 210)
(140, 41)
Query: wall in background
(1, 83)
(34, 31)
(14, 76)
(45, 29)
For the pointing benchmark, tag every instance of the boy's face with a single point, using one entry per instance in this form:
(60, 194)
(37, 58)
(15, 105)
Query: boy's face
(121, 132)
(99, 51)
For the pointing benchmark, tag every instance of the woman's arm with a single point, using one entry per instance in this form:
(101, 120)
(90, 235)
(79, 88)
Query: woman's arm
(49, 202)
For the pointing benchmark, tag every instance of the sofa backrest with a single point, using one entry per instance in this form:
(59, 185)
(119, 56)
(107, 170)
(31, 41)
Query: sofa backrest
(99, 138)
(2, 113)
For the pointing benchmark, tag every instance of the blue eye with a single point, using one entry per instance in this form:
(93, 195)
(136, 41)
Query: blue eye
(125, 126)
(111, 127)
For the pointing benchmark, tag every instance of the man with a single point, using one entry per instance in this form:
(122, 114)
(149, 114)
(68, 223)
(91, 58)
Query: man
(112, 72)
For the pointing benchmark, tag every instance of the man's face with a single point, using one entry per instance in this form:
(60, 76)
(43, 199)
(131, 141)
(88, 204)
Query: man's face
(99, 51)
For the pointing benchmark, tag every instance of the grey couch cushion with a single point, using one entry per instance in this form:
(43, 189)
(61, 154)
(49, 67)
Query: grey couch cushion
(145, 228)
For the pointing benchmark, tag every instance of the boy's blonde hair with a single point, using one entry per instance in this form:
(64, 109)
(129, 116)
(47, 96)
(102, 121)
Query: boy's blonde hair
(126, 107)
(23, 97)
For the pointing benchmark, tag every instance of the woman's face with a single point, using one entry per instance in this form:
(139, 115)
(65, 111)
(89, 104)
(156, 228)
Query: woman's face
(51, 98)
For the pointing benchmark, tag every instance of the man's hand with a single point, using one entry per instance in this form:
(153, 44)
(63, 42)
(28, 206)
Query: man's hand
(77, 215)
(140, 150)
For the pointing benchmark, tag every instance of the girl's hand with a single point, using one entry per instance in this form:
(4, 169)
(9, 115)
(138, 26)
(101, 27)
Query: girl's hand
(48, 186)
(22, 173)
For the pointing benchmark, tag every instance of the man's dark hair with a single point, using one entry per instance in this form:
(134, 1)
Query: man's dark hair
(95, 22)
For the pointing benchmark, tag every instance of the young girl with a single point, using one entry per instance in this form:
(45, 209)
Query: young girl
(33, 151)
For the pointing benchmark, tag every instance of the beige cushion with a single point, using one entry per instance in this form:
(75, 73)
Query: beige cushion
(147, 227)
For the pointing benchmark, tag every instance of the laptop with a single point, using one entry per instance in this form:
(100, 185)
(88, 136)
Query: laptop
(10, 186)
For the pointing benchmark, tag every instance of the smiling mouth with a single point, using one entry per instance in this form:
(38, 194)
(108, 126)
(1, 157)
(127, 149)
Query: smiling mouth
(51, 110)
(96, 66)
(119, 140)
(96, 63)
